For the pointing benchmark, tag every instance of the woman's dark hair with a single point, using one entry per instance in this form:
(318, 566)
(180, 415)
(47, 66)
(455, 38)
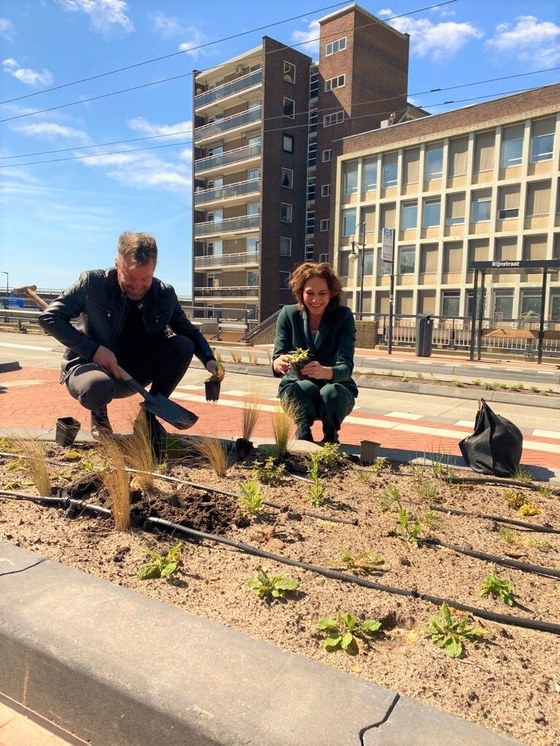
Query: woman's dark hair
(307, 271)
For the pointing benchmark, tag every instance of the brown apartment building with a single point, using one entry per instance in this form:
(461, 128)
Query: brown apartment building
(268, 128)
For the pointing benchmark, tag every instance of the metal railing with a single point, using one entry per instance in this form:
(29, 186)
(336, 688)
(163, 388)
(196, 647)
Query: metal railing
(245, 222)
(244, 153)
(226, 260)
(233, 291)
(220, 126)
(228, 89)
(239, 189)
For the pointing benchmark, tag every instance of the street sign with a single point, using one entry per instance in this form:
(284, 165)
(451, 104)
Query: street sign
(387, 244)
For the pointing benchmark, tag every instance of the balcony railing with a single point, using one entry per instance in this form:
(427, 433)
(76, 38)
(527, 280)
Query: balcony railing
(244, 153)
(229, 123)
(234, 291)
(243, 223)
(228, 89)
(226, 260)
(227, 192)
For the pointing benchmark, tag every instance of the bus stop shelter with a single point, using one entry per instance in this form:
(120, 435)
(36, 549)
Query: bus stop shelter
(511, 267)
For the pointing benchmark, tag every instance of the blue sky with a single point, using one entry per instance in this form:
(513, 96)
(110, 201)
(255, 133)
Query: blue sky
(60, 217)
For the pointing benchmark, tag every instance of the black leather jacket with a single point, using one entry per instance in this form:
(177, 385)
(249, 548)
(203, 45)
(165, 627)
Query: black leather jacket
(99, 304)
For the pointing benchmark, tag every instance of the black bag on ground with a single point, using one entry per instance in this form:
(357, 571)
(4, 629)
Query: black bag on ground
(495, 446)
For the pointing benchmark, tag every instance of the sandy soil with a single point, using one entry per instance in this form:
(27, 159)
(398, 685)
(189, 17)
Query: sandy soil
(507, 680)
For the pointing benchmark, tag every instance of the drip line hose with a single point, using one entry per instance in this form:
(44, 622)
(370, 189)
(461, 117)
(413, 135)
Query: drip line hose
(332, 519)
(535, 624)
(500, 481)
(59, 502)
(537, 527)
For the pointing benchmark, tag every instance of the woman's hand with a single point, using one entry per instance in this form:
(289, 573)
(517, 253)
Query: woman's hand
(317, 371)
(281, 365)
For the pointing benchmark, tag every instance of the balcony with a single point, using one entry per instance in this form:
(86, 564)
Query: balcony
(234, 291)
(230, 159)
(229, 192)
(220, 126)
(226, 260)
(229, 225)
(228, 89)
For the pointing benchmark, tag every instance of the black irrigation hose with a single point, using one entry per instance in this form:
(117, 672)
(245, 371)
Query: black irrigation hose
(523, 566)
(537, 527)
(59, 502)
(535, 624)
(500, 481)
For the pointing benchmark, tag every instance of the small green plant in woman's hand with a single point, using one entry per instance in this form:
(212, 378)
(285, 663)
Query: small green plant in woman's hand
(299, 356)
(277, 586)
(451, 634)
(344, 631)
(498, 588)
(162, 565)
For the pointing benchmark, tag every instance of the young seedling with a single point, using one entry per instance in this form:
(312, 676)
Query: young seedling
(507, 534)
(392, 496)
(277, 586)
(498, 588)
(161, 565)
(411, 528)
(365, 562)
(269, 471)
(529, 509)
(250, 499)
(344, 632)
(316, 490)
(330, 456)
(514, 499)
(451, 634)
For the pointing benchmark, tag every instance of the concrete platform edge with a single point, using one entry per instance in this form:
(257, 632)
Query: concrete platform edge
(117, 667)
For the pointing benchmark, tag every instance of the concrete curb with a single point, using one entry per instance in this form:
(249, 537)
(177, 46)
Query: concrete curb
(114, 666)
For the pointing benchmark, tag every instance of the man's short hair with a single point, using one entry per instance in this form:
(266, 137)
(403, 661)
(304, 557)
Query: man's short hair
(139, 248)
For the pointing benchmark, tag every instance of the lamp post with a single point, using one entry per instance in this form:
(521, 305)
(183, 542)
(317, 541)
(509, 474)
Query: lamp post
(358, 249)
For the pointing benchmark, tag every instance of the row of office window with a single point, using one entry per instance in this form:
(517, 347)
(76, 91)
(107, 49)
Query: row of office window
(461, 207)
(537, 135)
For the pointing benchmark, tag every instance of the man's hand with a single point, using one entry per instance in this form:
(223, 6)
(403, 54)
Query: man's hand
(106, 360)
(215, 371)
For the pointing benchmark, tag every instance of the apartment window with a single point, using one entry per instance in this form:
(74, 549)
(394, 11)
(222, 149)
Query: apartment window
(324, 225)
(336, 82)
(390, 169)
(434, 162)
(252, 278)
(323, 257)
(455, 211)
(349, 222)
(326, 155)
(285, 246)
(508, 202)
(457, 157)
(432, 213)
(253, 208)
(283, 280)
(252, 174)
(335, 118)
(289, 107)
(350, 177)
(325, 190)
(534, 248)
(407, 260)
(287, 178)
(285, 212)
(530, 303)
(409, 215)
(287, 143)
(512, 146)
(313, 120)
(310, 222)
(411, 166)
(538, 198)
(484, 152)
(312, 153)
(289, 72)
(252, 245)
(450, 303)
(314, 85)
(428, 259)
(503, 305)
(542, 139)
(452, 257)
(369, 174)
(480, 207)
(335, 46)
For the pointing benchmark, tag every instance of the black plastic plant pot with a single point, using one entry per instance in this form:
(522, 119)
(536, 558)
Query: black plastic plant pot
(212, 389)
(66, 430)
(243, 447)
(296, 367)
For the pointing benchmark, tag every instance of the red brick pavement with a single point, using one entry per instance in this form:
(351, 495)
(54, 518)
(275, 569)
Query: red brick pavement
(33, 398)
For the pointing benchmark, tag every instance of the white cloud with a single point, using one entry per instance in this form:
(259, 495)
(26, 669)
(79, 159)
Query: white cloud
(143, 170)
(26, 75)
(166, 25)
(438, 41)
(177, 131)
(52, 131)
(103, 14)
(530, 40)
(308, 39)
(6, 29)
(196, 40)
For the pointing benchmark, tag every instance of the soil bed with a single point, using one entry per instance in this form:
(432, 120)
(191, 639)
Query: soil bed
(507, 680)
